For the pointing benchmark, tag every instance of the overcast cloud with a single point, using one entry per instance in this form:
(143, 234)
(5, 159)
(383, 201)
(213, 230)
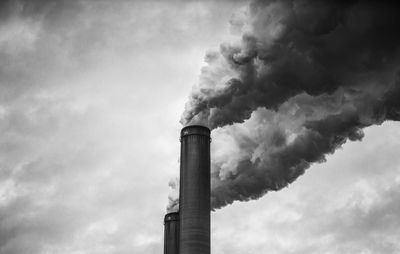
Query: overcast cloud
(91, 94)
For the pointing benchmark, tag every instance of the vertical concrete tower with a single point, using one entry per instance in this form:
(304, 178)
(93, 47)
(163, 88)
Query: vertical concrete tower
(194, 191)
(171, 233)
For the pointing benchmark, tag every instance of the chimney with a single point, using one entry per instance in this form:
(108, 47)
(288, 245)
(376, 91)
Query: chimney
(171, 233)
(194, 191)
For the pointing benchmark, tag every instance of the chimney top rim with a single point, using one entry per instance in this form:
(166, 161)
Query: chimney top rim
(173, 216)
(195, 126)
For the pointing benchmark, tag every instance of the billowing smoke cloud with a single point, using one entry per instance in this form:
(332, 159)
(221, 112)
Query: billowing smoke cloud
(305, 77)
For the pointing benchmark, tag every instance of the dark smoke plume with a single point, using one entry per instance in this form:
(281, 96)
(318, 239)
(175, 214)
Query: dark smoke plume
(305, 77)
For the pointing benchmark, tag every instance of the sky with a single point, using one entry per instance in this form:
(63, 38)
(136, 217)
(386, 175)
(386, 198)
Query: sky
(91, 95)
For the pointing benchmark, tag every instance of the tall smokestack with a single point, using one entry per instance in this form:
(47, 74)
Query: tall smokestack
(171, 233)
(194, 194)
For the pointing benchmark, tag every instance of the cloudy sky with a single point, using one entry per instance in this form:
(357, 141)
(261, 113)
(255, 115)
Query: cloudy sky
(91, 94)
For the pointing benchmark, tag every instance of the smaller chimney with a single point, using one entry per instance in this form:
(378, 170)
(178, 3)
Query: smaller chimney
(171, 233)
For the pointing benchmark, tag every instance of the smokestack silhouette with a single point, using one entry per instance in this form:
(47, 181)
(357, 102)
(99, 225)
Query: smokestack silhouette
(171, 233)
(194, 191)
(304, 77)
(188, 232)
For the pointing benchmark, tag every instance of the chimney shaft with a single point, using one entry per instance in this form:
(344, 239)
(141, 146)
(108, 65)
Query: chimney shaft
(194, 191)
(171, 233)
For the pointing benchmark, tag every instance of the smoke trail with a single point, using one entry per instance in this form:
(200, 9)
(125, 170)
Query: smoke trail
(304, 77)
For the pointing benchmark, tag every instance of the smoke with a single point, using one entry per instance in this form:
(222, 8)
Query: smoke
(303, 78)
(173, 197)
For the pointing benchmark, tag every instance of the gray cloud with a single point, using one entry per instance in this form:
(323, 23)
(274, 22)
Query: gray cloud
(304, 78)
(281, 55)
